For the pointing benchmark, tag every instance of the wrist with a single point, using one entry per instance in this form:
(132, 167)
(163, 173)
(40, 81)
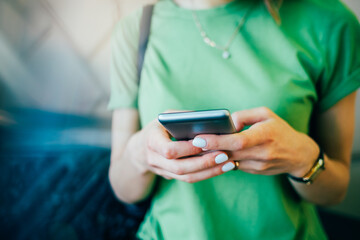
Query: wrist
(136, 153)
(317, 167)
(310, 155)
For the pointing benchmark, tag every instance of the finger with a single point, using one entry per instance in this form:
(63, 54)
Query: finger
(190, 164)
(255, 167)
(260, 152)
(251, 116)
(202, 175)
(161, 143)
(174, 111)
(231, 142)
(160, 172)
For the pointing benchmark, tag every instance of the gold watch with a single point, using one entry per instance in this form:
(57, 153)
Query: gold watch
(317, 168)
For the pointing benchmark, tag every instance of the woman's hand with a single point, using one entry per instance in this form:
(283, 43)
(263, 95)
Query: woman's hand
(270, 146)
(179, 159)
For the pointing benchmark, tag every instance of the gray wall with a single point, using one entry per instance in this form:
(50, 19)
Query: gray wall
(55, 53)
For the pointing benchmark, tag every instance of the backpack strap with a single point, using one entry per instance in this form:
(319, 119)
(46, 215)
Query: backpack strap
(145, 24)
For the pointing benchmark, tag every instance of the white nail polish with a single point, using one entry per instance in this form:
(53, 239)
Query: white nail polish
(227, 167)
(221, 158)
(199, 142)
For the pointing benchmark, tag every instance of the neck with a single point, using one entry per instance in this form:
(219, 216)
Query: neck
(200, 4)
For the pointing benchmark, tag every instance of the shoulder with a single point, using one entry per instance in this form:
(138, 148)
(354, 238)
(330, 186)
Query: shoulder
(319, 12)
(334, 11)
(323, 10)
(321, 20)
(128, 26)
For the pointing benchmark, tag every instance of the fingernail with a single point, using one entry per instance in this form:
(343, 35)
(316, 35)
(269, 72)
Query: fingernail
(199, 142)
(227, 167)
(221, 158)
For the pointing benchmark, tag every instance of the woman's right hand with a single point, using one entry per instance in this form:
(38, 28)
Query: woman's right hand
(176, 159)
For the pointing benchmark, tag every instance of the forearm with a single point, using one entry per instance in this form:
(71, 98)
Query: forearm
(329, 187)
(131, 181)
(130, 185)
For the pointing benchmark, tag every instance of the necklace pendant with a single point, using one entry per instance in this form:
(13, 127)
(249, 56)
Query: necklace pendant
(226, 55)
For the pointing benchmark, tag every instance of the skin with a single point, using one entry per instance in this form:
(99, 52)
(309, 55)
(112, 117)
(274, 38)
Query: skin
(269, 147)
(200, 4)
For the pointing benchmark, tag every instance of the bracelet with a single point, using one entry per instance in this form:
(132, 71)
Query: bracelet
(309, 177)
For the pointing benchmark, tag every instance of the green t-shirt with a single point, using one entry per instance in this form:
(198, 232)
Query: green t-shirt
(308, 63)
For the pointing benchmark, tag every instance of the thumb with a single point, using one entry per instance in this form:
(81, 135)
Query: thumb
(251, 116)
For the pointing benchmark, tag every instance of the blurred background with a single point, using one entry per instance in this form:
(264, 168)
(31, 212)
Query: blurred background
(55, 126)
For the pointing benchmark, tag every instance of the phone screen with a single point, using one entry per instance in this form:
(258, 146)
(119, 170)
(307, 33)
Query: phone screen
(187, 125)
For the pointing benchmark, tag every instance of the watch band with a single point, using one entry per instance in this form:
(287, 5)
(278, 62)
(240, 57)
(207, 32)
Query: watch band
(309, 177)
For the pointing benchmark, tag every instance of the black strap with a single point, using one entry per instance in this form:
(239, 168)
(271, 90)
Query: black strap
(145, 23)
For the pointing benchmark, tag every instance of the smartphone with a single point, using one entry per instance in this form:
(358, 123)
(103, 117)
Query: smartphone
(186, 125)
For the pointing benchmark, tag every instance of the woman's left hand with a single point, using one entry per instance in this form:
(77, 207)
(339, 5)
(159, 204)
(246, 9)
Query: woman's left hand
(270, 146)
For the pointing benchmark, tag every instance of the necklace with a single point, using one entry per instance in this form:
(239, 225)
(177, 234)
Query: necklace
(208, 41)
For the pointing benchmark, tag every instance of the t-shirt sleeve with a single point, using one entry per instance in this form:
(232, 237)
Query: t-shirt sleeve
(123, 69)
(341, 67)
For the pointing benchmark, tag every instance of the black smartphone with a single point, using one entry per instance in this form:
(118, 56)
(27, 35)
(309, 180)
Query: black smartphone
(186, 125)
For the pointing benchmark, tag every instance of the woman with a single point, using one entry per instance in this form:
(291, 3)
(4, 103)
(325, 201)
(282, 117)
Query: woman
(282, 81)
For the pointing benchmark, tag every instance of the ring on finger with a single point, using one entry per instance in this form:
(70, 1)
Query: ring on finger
(237, 165)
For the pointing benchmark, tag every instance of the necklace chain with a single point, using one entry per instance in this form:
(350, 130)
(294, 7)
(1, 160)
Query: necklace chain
(208, 41)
